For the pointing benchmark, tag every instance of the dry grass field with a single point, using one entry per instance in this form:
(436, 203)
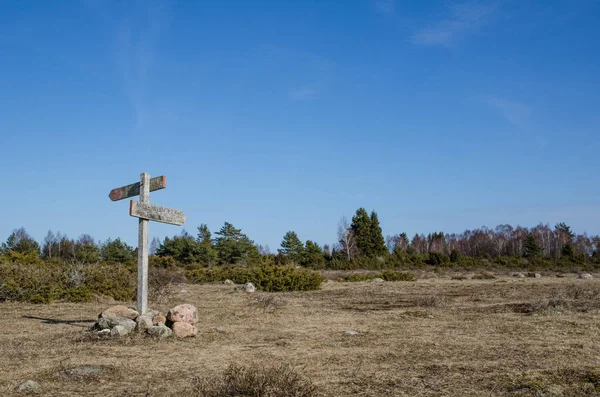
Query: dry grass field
(437, 336)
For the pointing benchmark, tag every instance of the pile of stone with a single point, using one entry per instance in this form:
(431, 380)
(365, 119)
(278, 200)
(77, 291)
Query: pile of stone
(120, 320)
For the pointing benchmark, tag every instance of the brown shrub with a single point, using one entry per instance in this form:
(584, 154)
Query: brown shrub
(255, 381)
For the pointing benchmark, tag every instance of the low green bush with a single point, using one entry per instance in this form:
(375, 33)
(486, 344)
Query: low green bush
(268, 278)
(398, 276)
(49, 281)
(360, 277)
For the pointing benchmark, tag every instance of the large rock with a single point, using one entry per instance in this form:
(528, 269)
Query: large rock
(586, 276)
(160, 330)
(119, 311)
(248, 287)
(111, 322)
(184, 330)
(28, 386)
(185, 313)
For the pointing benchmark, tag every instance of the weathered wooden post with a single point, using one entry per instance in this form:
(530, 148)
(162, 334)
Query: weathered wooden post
(142, 292)
(146, 212)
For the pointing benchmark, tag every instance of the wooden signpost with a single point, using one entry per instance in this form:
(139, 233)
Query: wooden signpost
(146, 212)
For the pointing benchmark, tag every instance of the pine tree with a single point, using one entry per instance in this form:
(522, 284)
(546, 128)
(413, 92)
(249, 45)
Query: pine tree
(378, 247)
(207, 254)
(314, 256)
(116, 251)
(182, 248)
(20, 241)
(292, 247)
(531, 248)
(361, 229)
(234, 247)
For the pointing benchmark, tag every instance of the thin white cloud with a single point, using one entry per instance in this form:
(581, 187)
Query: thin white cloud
(461, 18)
(516, 113)
(304, 93)
(386, 7)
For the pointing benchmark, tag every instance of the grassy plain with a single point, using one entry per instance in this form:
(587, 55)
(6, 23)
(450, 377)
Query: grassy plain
(437, 336)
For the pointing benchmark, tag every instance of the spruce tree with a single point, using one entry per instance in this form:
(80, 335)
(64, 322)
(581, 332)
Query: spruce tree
(378, 247)
(568, 251)
(314, 256)
(531, 248)
(361, 229)
(206, 250)
(292, 247)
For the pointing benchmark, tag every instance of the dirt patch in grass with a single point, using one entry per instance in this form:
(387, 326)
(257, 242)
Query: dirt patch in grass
(432, 337)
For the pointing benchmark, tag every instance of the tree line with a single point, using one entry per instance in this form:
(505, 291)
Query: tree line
(360, 244)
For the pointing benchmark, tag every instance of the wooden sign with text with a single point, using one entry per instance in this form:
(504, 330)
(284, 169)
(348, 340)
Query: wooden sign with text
(146, 212)
(156, 213)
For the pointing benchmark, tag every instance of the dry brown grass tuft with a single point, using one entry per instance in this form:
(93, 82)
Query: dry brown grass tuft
(268, 303)
(435, 300)
(255, 380)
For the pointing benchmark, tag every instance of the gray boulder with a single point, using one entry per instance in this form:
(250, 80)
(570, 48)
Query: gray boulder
(160, 330)
(248, 287)
(111, 322)
(118, 331)
(27, 386)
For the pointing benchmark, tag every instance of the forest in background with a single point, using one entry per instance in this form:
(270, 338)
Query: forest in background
(360, 245)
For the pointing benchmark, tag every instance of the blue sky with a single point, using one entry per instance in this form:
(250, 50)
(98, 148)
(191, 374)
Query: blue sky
(288, 115)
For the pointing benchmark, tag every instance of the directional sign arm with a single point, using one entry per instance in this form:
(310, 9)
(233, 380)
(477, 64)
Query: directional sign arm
(123, 192)
(156, 213)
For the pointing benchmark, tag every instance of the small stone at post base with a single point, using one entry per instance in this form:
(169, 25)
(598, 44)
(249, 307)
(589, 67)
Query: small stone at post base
(184, 330)
(161, 331)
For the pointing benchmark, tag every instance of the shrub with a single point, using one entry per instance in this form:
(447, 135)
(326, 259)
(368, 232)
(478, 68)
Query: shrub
(360, 277)
(71, 282)
(398, 276)
(437, 259)
(166, 262)
(255, 381)
(266, 277)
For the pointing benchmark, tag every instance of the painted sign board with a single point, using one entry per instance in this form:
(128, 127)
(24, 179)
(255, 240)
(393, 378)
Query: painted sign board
(123, 192)
(156, 213)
